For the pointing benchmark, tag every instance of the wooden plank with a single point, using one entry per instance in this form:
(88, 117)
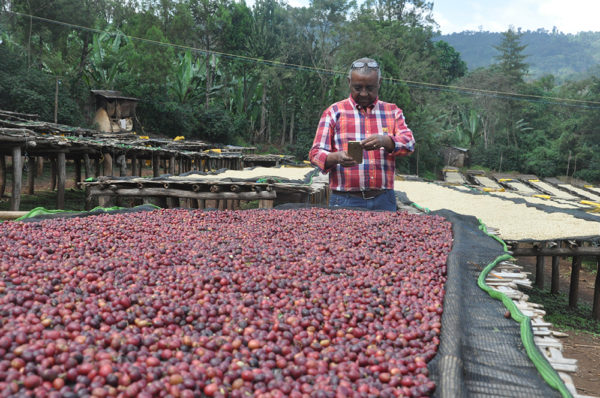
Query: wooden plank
(557, 251)
(97, 190)
(11, 215)
(15, 200)
(61, 173)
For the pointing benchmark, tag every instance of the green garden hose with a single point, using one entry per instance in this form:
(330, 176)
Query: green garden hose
(547, 372)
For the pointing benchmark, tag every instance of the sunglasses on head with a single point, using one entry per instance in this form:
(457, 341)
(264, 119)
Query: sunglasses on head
(361, 64)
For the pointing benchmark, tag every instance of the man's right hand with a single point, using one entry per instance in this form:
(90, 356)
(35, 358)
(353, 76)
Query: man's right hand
(342, 158)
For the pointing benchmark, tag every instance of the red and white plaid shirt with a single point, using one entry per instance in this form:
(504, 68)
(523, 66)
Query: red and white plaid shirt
(346, 121)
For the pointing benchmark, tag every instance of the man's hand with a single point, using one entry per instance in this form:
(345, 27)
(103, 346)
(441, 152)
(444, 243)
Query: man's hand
(342, 158)
(375, 142)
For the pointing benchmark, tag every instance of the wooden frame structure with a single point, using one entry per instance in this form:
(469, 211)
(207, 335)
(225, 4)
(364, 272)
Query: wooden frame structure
(201, 193)
(576, 249)
(105, 154)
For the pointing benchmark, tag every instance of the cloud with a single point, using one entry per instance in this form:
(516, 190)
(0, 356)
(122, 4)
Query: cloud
(498, 15)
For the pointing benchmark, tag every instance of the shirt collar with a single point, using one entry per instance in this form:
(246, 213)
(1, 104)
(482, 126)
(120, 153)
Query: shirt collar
(355, 105)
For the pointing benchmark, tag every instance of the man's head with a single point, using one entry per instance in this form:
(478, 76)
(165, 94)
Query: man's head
(364, 79)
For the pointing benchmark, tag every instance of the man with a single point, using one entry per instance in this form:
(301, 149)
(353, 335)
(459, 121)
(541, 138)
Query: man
(383, 135)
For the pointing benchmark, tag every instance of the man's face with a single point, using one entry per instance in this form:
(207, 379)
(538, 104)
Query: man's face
(364, 87)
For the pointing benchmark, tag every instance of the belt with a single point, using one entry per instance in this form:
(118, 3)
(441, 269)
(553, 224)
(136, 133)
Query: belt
(368, 194)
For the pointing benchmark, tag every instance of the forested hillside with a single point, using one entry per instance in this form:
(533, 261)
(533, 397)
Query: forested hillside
(221, 71)
(566, 56)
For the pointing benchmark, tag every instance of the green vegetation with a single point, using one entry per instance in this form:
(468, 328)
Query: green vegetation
(565, 56)
(221, 71)
(560, 315)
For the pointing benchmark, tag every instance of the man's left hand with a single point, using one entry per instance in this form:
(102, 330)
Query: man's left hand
(375, 142)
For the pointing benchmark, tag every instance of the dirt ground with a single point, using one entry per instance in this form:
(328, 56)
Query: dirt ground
(584, 347)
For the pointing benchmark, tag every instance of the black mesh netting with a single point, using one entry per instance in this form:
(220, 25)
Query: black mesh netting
(481, 352)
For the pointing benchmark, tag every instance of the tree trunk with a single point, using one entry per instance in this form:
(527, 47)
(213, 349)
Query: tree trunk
(291, 138)
(263, 115)
(283, 125)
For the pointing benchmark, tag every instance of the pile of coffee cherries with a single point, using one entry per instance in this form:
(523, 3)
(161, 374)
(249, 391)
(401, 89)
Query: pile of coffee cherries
(187, 303)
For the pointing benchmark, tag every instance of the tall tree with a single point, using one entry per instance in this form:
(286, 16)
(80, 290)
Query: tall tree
(511, 60)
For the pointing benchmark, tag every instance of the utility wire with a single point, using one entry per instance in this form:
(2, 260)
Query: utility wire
(415, 84)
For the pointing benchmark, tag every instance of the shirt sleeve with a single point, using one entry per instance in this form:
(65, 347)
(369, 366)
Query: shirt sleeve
(322, 144)
(404, 142)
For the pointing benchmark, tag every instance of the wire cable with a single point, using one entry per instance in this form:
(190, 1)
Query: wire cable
(410, 83)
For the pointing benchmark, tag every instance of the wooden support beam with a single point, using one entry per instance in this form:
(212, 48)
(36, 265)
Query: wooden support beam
(596, 303)
(155, 165)
(107, 164)
(172, 165)
(31, 166)
(40, 166)
(53, 168)
(574, 286)
(134, 165)
(87, 166)
(77, 162)
(61, 167)
(556, 251)
(179, 193)
(15, 200)
(3, 175)
(97, 167)
(539, 269)
(141, 168)
(122, 164)
(554, 287)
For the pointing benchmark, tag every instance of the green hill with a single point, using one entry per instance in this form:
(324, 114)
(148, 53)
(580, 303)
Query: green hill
(566, 56)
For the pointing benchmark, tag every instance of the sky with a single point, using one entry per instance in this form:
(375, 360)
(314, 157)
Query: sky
(569, 16)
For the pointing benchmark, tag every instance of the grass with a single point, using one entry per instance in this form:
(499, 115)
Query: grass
(74, 200)
(560, 315)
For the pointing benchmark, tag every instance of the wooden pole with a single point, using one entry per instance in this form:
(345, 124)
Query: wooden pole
(87, 165)
(539, 272)
(555, 275)
(53, 174)
(122, 163)
(77, 162)
(3, 167)
(155, 165)
(172, 165)
(134, 165)
(96, 167)
(15, 201)
(596, 303)
(574, 287)
(61, 165)
(31, 175)
(107, 164)
(40, 166)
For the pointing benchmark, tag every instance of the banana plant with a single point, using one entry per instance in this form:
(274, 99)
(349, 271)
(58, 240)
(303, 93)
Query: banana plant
(186, 79)
(469, 129)
(105, 60)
